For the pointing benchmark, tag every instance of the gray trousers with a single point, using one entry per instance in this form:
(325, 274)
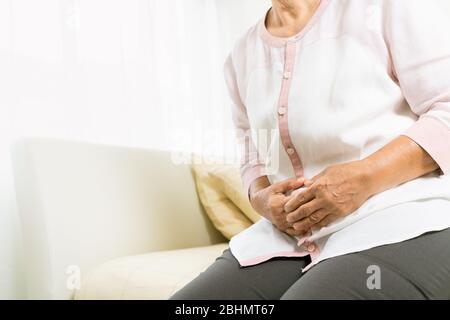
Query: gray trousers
(415, 269)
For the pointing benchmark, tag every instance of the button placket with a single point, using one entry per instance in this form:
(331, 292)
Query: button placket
(283, 105)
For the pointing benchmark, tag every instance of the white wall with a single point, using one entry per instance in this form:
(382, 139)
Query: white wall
(38, 112)
(11, 264)
(239, 15)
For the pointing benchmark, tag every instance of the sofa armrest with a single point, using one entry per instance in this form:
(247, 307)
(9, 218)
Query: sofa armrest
(82, 204)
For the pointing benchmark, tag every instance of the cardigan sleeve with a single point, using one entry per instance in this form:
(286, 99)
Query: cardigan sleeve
(417, 35)
(251, 166)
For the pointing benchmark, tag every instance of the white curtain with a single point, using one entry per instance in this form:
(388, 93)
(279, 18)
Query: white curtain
(144, 73)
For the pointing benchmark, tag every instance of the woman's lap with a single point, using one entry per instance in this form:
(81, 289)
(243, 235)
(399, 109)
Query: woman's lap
(415, 269)
(225, 279)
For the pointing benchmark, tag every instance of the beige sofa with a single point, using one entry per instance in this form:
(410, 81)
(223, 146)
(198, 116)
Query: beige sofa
(107, 222)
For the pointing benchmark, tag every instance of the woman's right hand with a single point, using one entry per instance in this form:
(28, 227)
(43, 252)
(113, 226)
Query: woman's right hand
(269, 200)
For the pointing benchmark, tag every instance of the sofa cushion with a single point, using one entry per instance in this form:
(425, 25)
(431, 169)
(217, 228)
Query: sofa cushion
(221, 193)
(229, 181)
(225, 215)
(154, 275)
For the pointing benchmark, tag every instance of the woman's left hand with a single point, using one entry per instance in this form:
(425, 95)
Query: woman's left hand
(336, 192)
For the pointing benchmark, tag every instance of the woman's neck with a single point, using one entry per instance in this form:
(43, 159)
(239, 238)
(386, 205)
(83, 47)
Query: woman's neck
(288, 17)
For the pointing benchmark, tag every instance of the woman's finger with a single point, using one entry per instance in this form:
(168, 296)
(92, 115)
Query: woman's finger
(295, 233)
(291, 232)
(288, 185)
(313, 219)
(298, 200)
(304, 211)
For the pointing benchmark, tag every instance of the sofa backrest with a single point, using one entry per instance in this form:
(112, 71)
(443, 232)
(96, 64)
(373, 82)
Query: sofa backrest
(82, 204)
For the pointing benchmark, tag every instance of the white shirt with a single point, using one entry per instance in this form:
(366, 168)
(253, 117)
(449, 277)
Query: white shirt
(360, 74)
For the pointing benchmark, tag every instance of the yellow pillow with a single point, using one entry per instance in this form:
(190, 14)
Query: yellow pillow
(229, 179)
(220, 198)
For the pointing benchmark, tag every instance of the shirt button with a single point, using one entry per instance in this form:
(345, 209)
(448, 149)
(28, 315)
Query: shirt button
(290, 151)
(311, 247)
(282, 111)
(287, 75)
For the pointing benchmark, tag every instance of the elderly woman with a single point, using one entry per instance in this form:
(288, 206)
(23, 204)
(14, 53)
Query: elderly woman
(354, 100)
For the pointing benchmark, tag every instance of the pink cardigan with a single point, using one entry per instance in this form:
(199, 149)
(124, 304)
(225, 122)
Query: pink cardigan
(361, 73)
